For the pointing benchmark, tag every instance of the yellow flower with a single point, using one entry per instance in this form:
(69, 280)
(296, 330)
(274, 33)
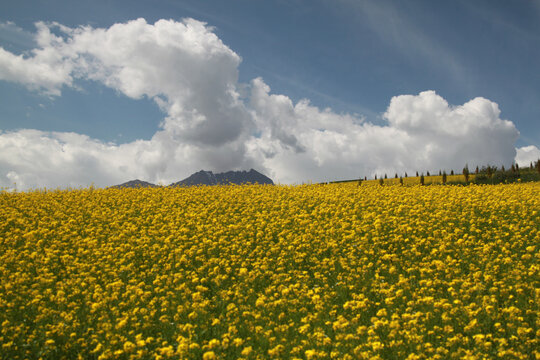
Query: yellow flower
(246, 351)
(129, 346)
(209, 355)
(335, 271)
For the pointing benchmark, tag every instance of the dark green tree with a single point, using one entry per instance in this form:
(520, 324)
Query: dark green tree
(489, 171)
(466, 173)
(422, 179)
(444, 177)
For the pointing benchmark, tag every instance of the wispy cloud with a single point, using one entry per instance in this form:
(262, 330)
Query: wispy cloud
(493, 15)
(15, 38)
(308, 91)
(396, 29)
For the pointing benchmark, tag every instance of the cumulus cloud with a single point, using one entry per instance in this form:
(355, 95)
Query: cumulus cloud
(16, 37)
(183, 66)
(527, 154)
(47, 70)
(211, 121)
(423, 133)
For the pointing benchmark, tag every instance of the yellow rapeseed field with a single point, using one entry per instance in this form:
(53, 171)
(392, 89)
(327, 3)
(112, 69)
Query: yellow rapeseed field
(335, 271)
(415, 180)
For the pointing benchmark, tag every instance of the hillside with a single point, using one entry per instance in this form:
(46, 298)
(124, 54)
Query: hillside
(207, 178)
(230, 177)
(271, 272)
(136, 184)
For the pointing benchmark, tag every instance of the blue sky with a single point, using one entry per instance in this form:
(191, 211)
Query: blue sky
(350, 56)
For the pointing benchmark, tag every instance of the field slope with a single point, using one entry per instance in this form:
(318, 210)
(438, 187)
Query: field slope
(316, 271)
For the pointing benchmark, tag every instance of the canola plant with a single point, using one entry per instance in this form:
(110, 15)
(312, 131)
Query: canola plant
(334, 271)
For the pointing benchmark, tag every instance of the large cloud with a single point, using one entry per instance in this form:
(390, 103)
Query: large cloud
(183, 66)
(527, 154)
(212, 122)
(423, 133)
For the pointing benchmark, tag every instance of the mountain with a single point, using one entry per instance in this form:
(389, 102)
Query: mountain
(208, 178)
(135, 184)
(230, 177)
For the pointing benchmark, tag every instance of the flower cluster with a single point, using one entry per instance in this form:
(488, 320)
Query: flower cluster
(335, 271)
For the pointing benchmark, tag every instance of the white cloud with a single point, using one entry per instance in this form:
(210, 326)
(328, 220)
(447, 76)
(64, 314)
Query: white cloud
(423, 133)
(213, 122)
(527, 154)
(46, 76)
(14, 36)
(33, 158)
(449, 135)
(183, 66)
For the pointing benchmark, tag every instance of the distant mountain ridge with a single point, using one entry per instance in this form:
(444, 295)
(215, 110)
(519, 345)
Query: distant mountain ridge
(204, 177)
(135, 184)
(230, 177)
